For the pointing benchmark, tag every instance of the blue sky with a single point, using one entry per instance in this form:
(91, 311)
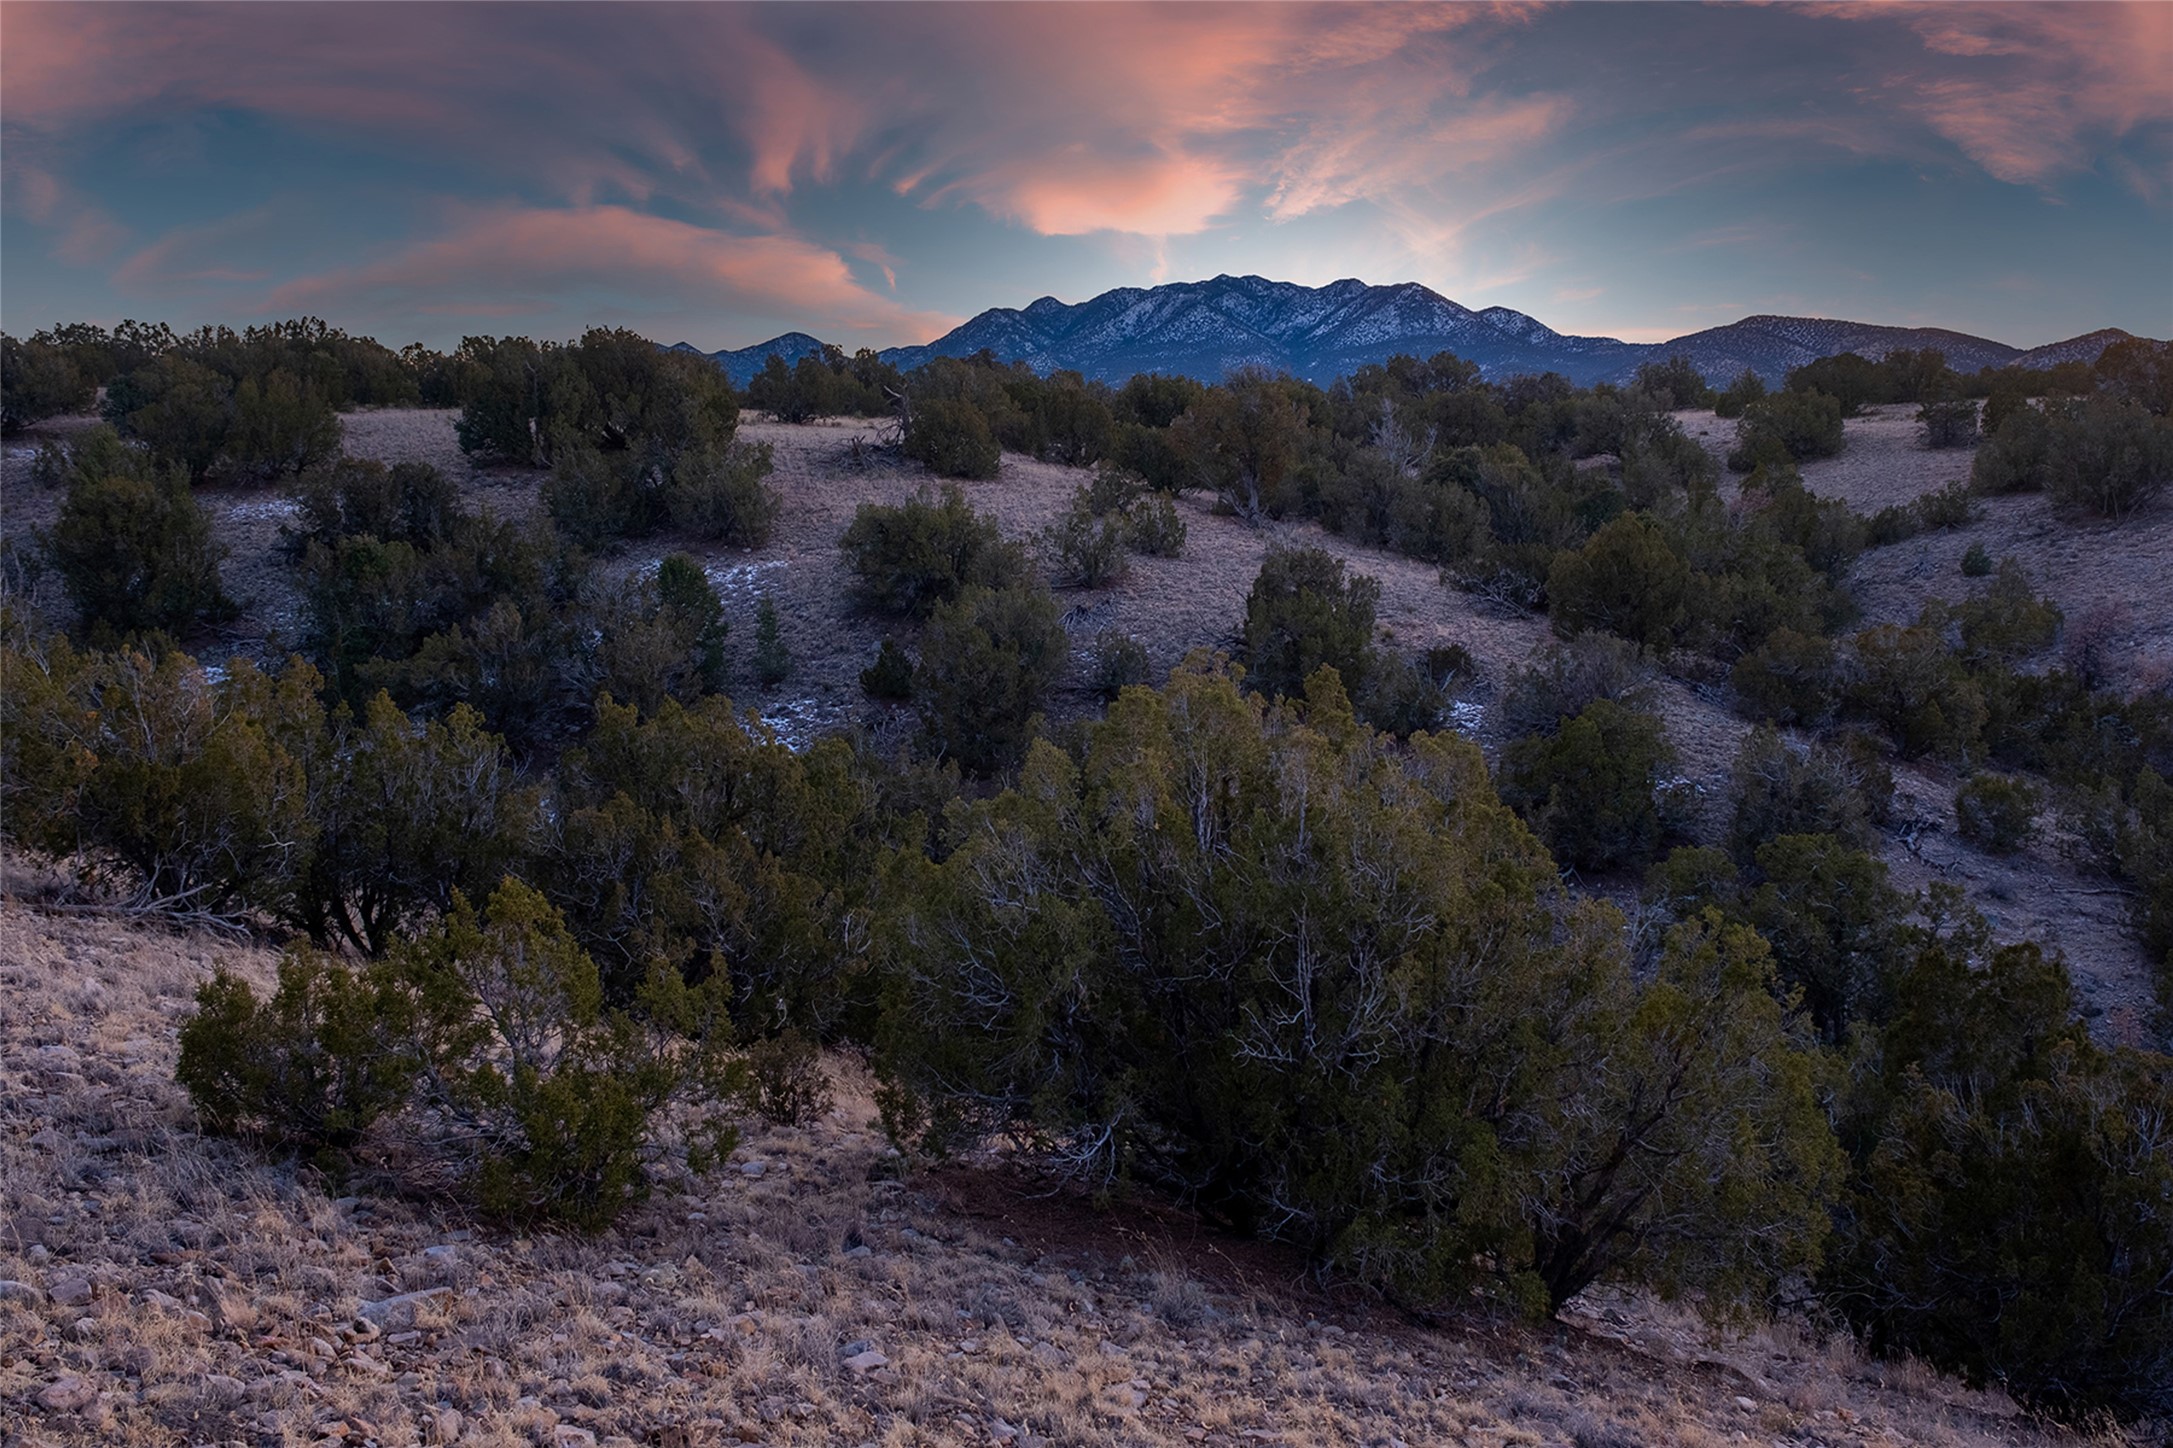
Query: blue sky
(875, 174)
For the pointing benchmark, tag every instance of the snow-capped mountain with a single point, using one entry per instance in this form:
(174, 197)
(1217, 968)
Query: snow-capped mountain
(1210, 329)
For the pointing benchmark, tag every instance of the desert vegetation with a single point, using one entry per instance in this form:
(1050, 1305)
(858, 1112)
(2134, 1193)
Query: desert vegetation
(1478, 1024)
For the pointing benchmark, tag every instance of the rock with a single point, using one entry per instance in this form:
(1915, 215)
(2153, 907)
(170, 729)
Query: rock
(446, 1425)
(399, 1311)
(23, 1292)
(69, 1394)
(1746, 1404)
(753, 1168)
(857, 1346)
(1125, 1397)
(230, 1310)
(1110, 1349)
(71, 1290)
(866, 1362)
(861, 1251)
(1048, 1354)
(165, 1301)
(565, 1435)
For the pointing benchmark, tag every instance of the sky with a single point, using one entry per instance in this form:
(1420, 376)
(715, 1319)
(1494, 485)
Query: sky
(875, 174)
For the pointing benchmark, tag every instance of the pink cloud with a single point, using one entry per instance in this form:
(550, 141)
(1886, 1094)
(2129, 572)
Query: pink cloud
(491, 260)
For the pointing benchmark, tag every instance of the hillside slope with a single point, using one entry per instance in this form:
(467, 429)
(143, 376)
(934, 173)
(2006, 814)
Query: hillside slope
(157, 1287)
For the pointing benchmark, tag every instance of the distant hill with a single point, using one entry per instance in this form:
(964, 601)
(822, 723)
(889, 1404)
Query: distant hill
(1209, 329)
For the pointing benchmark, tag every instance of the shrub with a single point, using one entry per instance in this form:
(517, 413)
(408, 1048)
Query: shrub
(1911, 686)
(1977, 562)
(2016, 452)
(1593, 789)
(773, 662)
(1894, 523)
(1115, 662)
(2008, 622)
(1791, 678)
(39, 380)
(2008, 1216)
(1154, 527)
(281, 425)
(1402, 699)
(1106, 963)
(177, 408)
(1997, 811)
(1950, 422)
(492, 1028)
(951, 439)
(988, 659)
(1823, 789)
(1949, 507)
(1794, 426)
(890, 677)
(1672, 384)
(313, 1066)
(1241, 441)
(1303, 613)
(2107, 458)
(1737, 397)
(718, 495)
(924, 552)
(410, 503)
(2143, 849)
(596, 497)
(1834, 923)
(1626, 579)
(787, 1085)
(657, 637)
(133, 547)
(1085, 549)
(1569, 677)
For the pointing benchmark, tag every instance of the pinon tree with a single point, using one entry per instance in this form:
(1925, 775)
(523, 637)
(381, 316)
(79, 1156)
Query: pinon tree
(1328, 991)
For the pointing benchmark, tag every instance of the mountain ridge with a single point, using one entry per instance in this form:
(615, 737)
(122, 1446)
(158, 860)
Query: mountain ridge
(1208, 329)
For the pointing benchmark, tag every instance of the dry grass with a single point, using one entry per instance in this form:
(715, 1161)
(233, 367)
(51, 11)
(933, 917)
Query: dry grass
(185, 1290)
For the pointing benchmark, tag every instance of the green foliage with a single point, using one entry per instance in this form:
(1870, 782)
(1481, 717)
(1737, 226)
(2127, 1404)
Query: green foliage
(1791, 426)
(1241, 442)
(1593, 790)
(1626, 579)
(1115, 662)
(694, 839)
(40, 380)
(1241, 949)
(1565, 679)
(491, 1036)
(786, 1083)
(410, 503)
(281, 425)
(613, 391)
(2105, 457)
(1948, 422)
(828, 384)
(1675, 383)
(662, 636)
(773, 661)
(1735, 399)
(890, 677)
(908, 559)
(563, 1097)
(1977, 562)
(1834, 924)
(2143, 849)
(1822, 789)
(987, 662)
(1791, 678)
(1304, 613)
(1949, 507)
(951, 439)
(2009, 1213)
(189, 794)
(311, 1068)
(1908, 684)
(1997, 811)
(131, 545)
(2007, 622)
(1153, 527)
(1085, 547)
(718, 495)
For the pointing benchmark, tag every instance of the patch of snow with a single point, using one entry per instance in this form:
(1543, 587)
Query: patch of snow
(800, 721)
(740, 579)
(1466, 715)
(279, 508)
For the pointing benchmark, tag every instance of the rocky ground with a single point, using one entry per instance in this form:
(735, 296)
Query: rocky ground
(161, 1288)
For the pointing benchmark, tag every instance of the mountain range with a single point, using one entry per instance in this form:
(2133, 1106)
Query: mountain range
(1209, 329)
